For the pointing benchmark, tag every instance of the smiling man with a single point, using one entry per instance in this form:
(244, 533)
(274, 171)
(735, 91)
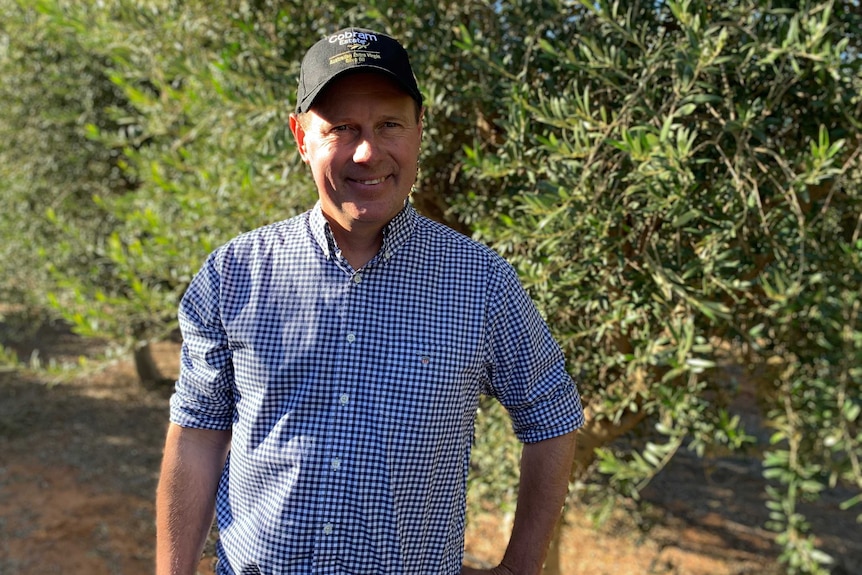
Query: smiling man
(332, 363)
(361, 141)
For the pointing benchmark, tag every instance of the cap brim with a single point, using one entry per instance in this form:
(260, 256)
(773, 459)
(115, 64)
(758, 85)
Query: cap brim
(310, 97)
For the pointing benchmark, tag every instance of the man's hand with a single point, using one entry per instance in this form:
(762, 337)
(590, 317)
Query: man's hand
(545, 467)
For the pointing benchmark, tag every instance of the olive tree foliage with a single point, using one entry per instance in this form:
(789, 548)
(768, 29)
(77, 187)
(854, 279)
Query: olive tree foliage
(48, 166)
(680, 188)
(200, 135)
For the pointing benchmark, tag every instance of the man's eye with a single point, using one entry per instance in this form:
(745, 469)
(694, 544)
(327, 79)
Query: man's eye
(342, 128)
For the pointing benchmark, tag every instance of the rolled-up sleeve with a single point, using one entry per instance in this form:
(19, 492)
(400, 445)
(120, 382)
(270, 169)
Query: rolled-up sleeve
(204, 391)
(528, 370)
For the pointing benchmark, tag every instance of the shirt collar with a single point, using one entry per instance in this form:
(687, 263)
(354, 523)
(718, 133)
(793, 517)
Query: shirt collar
(395, 233)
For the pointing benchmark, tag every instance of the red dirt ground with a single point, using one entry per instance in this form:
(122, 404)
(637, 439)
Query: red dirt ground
(79, 462)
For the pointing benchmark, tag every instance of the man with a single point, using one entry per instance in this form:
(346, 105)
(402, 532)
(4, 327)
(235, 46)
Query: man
(332, 363)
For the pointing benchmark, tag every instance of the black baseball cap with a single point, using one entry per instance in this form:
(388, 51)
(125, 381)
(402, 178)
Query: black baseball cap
(353, 50)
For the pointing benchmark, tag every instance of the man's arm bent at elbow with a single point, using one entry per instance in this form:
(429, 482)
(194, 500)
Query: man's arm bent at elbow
(545, 469)
(185, 500)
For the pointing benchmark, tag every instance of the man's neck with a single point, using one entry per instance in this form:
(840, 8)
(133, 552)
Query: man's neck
(358, 245)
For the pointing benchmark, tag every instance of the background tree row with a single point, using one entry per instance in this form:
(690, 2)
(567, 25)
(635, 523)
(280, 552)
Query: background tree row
(678, 184)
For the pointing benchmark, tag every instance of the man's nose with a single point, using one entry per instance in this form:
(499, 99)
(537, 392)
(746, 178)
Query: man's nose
(365, 149)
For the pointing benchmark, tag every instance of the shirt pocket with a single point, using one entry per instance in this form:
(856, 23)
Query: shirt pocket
(424, 387)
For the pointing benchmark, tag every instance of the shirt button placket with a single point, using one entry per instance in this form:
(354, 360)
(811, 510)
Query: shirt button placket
(328, 530)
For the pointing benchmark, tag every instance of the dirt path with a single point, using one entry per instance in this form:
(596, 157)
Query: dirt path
(79, 464)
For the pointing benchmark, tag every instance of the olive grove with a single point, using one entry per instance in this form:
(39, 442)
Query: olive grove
(679, 184)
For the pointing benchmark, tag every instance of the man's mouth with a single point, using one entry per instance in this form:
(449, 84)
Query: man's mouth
(371, 182)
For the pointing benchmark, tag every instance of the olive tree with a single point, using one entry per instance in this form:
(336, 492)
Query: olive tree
(681, 189)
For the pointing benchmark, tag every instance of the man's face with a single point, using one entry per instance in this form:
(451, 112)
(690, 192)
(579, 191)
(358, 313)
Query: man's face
(361, 139)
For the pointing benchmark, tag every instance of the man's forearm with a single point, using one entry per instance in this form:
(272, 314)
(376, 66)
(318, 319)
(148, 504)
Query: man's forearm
(545, 469)
(185, 500)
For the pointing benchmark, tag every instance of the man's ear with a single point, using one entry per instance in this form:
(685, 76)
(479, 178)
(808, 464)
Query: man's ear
(299, 135)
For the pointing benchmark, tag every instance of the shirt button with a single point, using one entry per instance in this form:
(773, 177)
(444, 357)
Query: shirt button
(336, 464)
(327, 529)
(351, 338)
(357, 278)
(344, 399)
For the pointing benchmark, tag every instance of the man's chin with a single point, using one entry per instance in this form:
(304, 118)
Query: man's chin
(372, 214)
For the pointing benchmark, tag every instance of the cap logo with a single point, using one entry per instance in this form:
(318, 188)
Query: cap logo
(355, 39)
(357, 44)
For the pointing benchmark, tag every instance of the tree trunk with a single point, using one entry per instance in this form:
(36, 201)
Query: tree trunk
(594, 434)
(148, 371)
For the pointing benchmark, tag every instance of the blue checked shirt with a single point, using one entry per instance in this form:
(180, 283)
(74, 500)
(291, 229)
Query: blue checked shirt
(352, 393)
